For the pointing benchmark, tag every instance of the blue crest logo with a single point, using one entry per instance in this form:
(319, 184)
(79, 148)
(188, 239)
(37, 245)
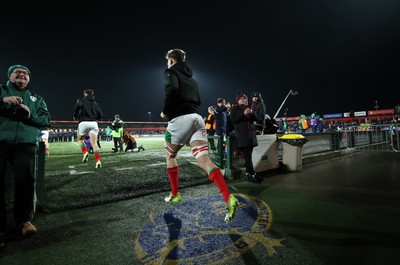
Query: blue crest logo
(194, 232)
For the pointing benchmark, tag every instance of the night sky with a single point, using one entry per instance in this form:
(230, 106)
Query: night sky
(339, 55)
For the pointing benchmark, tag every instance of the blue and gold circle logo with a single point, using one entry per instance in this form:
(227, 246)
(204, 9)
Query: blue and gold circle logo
(194, 232)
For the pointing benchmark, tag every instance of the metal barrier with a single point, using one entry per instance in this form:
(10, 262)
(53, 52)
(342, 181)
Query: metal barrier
(372, 138)
(383, 137)
(225, 154)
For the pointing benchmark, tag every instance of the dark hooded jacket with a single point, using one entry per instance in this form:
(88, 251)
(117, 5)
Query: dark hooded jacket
(245, 131)
(258, 108)
(87, 109)
(181, 91)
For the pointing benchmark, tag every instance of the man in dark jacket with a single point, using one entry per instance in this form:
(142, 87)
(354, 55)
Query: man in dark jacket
(186, 127)
(88, 112)
(243, 118)
(22, 116)
(258, 108)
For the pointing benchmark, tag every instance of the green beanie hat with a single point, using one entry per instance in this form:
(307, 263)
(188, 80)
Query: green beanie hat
(13, 67)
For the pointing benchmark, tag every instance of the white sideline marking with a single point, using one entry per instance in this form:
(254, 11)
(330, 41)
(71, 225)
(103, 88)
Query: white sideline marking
(156, 164)
(151, 165)
(125, 168)
(74, 172)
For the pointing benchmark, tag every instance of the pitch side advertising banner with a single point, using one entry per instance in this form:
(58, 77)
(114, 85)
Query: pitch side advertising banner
(333, 115)
(381, 112)
(360, 113)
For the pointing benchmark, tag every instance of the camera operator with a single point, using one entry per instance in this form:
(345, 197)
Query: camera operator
(117, 133)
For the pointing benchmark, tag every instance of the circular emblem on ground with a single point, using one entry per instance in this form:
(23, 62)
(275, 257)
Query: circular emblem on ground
(194, 232)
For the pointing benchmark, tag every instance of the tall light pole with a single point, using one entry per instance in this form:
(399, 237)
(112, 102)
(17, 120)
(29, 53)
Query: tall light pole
(149, 115)
(291, 92)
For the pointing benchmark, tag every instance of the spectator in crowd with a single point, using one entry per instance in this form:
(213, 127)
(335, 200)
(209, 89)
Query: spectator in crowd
(87, 111)
(282, 125)
(220, 113)
(23, 114)
(313, 122)
(220, 117)
(131, 144)
(303, 123)
(209, 120)
(117, 133)
(243, 120)
(186, 127)
(108, 133)
(258, 108)
(320, 125)
(229, 125)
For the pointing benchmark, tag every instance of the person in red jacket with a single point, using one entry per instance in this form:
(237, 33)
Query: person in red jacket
(243, 118)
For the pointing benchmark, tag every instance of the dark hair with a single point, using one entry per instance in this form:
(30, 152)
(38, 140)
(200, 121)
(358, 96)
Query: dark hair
(88, 92)
(176, 54)
(220, 100)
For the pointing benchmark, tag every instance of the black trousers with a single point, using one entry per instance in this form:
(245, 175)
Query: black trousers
(130, 145)
(22, 160)
(247, 153)
(117, 144)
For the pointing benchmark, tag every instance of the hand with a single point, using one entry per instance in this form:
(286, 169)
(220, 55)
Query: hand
(13, 100)
(21, 112)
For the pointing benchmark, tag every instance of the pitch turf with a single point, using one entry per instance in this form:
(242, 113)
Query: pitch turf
(70, 184)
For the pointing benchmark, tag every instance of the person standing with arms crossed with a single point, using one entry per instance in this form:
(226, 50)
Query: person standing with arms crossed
(87, 111)
(186, 127)
(22, 116)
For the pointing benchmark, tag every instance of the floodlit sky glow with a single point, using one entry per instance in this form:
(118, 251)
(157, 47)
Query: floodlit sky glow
(339, 55)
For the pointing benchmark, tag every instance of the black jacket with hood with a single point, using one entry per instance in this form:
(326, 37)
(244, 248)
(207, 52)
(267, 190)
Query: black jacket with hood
(181, 91)
(87, 109)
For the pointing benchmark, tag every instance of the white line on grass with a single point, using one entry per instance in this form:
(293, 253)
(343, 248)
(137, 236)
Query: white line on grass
(74, 172)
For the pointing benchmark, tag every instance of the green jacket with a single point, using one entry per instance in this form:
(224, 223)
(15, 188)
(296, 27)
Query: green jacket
(117, 128)
(16, 131)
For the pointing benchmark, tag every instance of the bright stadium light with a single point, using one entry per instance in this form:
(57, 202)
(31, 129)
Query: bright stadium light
(291, 92)
(149, 115)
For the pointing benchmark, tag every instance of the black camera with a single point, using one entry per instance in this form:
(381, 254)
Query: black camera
(19, 113)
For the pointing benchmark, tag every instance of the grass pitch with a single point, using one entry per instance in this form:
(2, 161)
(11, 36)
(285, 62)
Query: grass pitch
(71, 184)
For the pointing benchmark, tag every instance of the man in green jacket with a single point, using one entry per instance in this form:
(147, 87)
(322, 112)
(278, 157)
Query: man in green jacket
(22, 116)
(117, 133)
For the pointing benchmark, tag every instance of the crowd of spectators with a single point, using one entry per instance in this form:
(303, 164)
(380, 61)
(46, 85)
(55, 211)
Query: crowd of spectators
(69, 135)
(332, 125)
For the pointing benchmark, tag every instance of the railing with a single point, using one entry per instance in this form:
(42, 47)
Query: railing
(374, 138)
